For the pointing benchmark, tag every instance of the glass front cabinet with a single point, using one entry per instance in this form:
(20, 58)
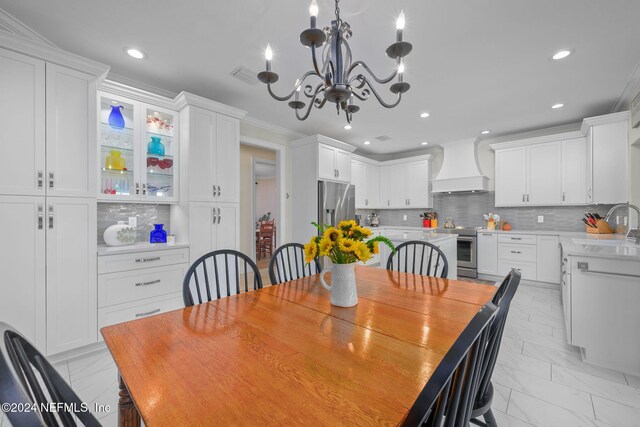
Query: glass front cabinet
(138, 151)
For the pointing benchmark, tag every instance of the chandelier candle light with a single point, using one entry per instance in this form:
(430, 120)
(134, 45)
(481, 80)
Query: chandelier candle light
(340, 78)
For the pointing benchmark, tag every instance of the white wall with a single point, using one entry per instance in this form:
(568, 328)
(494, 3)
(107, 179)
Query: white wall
(266, 197)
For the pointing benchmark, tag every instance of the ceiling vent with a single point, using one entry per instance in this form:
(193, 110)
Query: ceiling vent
(245, 75)
(382, 138)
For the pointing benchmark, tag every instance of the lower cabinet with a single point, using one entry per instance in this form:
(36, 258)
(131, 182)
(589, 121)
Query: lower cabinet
(487, 253)
(140, 284)
(212, 226)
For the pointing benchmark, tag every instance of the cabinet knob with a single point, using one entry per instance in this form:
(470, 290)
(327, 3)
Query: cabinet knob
(144, 189)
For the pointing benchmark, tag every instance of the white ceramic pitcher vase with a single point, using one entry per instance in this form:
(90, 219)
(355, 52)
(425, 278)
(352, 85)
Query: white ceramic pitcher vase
(343, 284)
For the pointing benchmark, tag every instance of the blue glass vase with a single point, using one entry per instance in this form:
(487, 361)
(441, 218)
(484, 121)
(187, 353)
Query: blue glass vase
(158, 235)
(116, 120)
(155, 146)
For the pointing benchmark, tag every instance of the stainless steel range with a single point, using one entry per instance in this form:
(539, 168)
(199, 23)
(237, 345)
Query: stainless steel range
(467, 249)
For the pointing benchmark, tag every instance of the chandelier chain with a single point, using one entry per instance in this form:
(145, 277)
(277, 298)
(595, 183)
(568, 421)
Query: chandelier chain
(337, 11)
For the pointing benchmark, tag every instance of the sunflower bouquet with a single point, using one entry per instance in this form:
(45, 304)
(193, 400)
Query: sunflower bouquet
(345, 244)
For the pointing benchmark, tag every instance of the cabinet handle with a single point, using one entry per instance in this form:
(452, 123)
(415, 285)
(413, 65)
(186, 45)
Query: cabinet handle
(516, 252)
(388, 203)
(586, 270)
(51, 179)
(40, 178)
(589, 194)
(51, 215)
(527, 197)
(338, 170)
(40, 216)
(219, 191)
(219, 216)
(148, 313)
(563, 196)
(157, 258)
(409, 202)
(213, 215)
(214, 190)
(153, 282)
(137, 188)
(366, 202)
(523, 198)
(516, 238)
(144, 189)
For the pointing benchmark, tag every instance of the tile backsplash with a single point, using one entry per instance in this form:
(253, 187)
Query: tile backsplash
(467, 210)
(147, 214)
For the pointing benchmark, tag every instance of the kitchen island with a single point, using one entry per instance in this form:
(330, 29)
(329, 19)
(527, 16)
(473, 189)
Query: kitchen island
(446, 242)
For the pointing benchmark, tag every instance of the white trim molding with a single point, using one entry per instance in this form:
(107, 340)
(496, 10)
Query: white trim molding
(537, 140)
(14, 26)
(252, 121)
(321, 139)
(185, 99)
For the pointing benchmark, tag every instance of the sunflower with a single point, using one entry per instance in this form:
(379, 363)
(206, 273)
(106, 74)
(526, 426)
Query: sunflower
(325, 246)
(310, 250)
(332, 234)
(365, 231)
(347, 224)
(362, 252)
(348, 245)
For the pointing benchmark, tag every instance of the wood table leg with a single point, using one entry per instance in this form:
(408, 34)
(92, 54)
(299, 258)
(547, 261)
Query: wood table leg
(128, 415)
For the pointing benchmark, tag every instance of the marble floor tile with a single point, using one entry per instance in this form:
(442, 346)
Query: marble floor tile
(505, 420)
(555, 393)
(633, 380)
(90, 364)
(1, 418)
(549, 319)
(500, 397)
(98, 388)
(616, 414)
(541, 413)
(570, 360)
(63, 369)
(525, 364)
(526, 326)
(610, 390)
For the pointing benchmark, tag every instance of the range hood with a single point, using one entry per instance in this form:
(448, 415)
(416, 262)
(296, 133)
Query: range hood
(460, 172)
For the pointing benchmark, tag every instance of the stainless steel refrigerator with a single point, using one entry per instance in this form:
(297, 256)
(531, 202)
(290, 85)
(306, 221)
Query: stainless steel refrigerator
(336, 202)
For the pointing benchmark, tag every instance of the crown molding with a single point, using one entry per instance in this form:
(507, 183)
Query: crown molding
(14, 26)
(603, 120)
(252, 121)
(185, 99)
(629, 92)
(151, 89)
(117, 88)
(538, 140)
(321, 139)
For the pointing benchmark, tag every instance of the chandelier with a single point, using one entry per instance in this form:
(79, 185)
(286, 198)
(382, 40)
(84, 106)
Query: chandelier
(339, 79)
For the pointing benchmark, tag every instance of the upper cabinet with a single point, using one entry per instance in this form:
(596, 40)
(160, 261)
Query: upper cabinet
(139, 150)
(366, 179)
(405, 184)
(334, 164)
(607, 154)
(323, 158)
(574, 171)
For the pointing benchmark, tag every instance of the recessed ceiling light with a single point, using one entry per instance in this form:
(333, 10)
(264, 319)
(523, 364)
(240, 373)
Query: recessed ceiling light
(561, 54)
(424, 115)
(556, 106)
(135, 53)
(367, 142)
(484, 132)
(424, 143)
(347, 127)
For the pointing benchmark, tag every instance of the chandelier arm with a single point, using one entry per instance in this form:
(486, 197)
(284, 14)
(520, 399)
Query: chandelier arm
(293, 92)
(318, 90)
(380, 100)
(361, 98)
(366, 67)
(315, 61)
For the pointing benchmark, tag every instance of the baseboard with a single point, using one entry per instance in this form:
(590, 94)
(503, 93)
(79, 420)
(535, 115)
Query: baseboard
(77, 352)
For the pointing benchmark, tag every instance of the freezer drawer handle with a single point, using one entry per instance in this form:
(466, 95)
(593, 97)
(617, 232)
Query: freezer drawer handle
(157, 258)
(516, 238)
(148, 313)
(152, 282)
(584, 267)
(516, 252)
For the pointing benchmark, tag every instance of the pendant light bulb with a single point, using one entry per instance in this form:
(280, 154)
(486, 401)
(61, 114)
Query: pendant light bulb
(400, 21)
(401, 68)
(313, 9)
(268, 53)
(298, 85)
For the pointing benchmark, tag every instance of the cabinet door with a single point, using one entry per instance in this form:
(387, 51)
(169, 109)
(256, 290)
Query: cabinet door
(72, 290)
(574, 171)
(22, 262)
(372, 187)
(201, 224)
(487, 253)
(343, 165)
(544, 174)
(418, 184)
(159, 154)
(548, 259)
(610, 158)
(226, 229)
(385, 197)
(398, 186)
(23, 131)
(326, 162)
(359, 181)
(71, 133)
(228, 159)
(511, 177)
(202, 154)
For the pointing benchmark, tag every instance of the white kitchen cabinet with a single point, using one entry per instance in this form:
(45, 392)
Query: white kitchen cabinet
(544, 174)
(212, 227)
(398, 186)
(214, 155)
(333, 163)
(22, 262)
(608, 154)
(417, 175)
(385, 187)
(365, 178)
(574, 171)
(548, 259)
(71, 273)
(511, 176)
(22, 137)
(487, 253)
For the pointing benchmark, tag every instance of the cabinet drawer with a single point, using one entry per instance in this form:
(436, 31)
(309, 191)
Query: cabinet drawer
(517, 252)
(524, 239)
(132, 311)
(133, 261)
(128, 286)
(528, 269)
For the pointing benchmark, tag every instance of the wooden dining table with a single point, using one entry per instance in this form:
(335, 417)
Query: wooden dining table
(283, 355)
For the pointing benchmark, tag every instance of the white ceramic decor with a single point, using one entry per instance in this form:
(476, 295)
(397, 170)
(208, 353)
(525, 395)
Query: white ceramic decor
(343, 284)
(119, 234)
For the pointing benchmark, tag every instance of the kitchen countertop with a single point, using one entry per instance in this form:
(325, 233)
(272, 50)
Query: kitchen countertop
(138, 247)
(428, 236)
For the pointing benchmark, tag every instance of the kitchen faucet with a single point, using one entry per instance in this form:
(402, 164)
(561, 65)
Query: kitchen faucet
(625, 205)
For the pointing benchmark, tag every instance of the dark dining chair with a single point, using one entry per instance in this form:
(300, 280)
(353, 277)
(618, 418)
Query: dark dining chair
(27, 378)
(418, 257)
(288, 264)
(447, 398)
(219, 274)
(484, 397)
